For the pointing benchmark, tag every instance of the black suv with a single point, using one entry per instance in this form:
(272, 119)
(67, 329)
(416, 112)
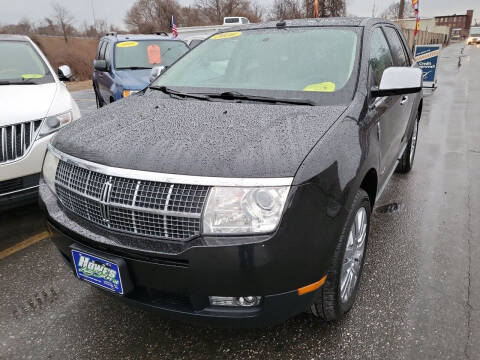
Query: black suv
(238, 188)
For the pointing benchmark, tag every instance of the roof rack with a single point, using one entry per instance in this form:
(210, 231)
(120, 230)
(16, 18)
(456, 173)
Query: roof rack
(160, 33)
(113, 33)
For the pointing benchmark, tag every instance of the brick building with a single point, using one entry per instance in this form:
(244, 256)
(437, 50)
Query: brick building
(458, 24)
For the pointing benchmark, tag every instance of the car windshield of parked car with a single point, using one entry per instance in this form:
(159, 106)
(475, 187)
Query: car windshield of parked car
(315, 63)
(21, 64)
(145, 54)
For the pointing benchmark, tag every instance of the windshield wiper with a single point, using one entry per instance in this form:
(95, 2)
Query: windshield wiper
(169, 91)
(16, 82)
(134, 68)
(234, 95)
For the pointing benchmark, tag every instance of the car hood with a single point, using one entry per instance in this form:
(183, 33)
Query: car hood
(220, 139)
(134, 79)
(20, 103)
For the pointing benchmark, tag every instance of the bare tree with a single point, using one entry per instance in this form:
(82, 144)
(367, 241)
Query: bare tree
(288, 9)
(295, 9)
(401, 9)
(63, 19)
(147, 16)
(393, 12)
(216, 10)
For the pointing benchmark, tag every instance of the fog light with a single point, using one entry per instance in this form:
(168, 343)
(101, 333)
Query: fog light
(242, 301)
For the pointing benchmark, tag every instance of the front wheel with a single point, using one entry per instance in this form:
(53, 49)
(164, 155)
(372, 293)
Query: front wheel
(406, 161)
(337, 295)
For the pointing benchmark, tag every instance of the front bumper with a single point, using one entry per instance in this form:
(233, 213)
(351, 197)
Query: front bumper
(152, 279)
(19, 191)
(177, 278)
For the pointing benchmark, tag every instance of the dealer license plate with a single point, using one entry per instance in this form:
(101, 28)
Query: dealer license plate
(98, 271)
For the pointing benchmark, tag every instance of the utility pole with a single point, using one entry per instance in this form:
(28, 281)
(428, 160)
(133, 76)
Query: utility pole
(401, 9)
(93, 13)
(373, 9)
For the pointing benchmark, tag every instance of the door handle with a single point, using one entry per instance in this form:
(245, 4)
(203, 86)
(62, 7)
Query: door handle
(404, 100)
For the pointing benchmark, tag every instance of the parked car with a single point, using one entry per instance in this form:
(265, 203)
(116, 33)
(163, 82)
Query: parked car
(34, 104)
(238, 188)
(474, 37)
(123, 63)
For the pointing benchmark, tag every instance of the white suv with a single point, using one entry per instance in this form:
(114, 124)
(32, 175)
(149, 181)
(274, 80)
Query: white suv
(34, 104)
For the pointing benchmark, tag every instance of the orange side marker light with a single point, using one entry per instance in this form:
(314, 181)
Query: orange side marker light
(312, 287)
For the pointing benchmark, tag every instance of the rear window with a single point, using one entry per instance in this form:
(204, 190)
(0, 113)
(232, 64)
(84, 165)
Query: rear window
(232, 21)
(145, 54)
(21, 62)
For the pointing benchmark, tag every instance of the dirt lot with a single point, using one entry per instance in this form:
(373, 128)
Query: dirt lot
(78, 53)
(79, 85)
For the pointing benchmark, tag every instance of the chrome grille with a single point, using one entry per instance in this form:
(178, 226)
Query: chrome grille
(149, 208)
(16, 140)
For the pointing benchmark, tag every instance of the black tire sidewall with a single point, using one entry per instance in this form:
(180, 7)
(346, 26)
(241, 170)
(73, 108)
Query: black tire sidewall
(333, 307)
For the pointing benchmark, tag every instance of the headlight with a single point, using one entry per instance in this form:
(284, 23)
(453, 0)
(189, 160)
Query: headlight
(50, 170)
(248, 210)
(53, 123)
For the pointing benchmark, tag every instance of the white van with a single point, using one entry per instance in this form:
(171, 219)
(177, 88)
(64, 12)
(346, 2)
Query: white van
(34, 104)
(235, 20)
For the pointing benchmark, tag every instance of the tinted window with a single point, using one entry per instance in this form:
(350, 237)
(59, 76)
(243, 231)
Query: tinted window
(108, 53)
(232, 21)
(102, 51)
(147, 53)
(397, 47)
(380, 56)
(98, 49)
(19, 62)
(309, 62)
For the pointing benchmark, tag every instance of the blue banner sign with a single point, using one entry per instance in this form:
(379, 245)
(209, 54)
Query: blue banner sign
(427, 58)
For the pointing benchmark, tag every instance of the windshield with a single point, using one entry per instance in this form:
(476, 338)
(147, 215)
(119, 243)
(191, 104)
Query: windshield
(20, 63)
(307, 63)
(148, 53)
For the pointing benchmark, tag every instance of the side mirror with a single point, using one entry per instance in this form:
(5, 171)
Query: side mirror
(399, 81)
(100, 65)
(64, 73)
(156, 72)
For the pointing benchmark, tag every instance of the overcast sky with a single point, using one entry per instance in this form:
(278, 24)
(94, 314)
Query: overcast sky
(114, 10)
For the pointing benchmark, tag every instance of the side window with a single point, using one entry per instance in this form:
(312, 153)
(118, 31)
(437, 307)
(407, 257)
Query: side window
(102, 51)
(380, 56)
(398, 50)
(108, 53)
(99, 50)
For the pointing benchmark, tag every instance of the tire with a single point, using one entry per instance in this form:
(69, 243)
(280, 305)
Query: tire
(330, 303)
(408, 157)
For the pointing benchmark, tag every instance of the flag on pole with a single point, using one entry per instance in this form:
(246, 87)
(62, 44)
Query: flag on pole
(417, 15)
(174, 28)
(315, 9)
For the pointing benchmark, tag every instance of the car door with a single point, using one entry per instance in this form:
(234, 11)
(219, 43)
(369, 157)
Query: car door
(401, 59)
(384, 111)
(108, 76)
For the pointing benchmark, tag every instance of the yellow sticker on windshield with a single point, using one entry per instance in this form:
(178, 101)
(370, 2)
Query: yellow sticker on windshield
(321, 87)
(227, 35)
(32, 76)
(127, 44)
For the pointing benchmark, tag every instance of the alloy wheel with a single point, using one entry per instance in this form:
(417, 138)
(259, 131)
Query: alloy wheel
(354, 253)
